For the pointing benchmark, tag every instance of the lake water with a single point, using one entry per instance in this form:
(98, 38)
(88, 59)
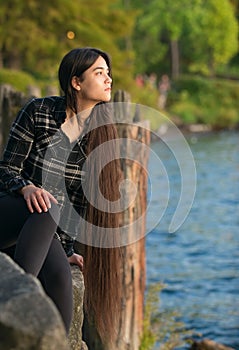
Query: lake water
(199, 263)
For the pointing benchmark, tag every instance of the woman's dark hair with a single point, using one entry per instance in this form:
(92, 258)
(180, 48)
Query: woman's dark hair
(75, 63)
(102, 266)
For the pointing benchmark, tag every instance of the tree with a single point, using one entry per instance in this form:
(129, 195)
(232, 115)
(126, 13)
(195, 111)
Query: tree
(162, 24)
(35, 34)
(212, 35)
(27, 40)
(198, 34)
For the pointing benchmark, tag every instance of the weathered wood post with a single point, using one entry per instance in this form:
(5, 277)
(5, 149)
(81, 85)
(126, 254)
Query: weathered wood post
(10, 103)
(134, 266)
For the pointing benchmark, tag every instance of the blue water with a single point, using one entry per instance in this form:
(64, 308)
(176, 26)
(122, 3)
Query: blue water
(199, 263)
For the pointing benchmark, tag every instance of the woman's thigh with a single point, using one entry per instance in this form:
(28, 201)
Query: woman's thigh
(13, 215)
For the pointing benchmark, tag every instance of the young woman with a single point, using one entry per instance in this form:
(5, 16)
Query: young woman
(41, 177)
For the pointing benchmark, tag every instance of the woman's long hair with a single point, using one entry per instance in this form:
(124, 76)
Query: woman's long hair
(103, 253)
(102, 261)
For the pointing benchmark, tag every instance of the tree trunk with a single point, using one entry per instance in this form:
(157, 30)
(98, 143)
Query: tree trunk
(174, 58)
(12, 61)
(1, 60)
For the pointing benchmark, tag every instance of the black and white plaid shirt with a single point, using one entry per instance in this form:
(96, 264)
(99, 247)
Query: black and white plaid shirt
(38, 152)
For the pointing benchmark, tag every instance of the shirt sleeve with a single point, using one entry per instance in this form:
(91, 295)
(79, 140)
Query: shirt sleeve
(18, 147)
(66, 241)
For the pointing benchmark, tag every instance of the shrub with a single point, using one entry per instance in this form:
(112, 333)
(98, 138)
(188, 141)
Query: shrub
(209, 101)
(18, 79)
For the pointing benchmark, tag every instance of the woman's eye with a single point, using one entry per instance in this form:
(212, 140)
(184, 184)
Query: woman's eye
(102, 73)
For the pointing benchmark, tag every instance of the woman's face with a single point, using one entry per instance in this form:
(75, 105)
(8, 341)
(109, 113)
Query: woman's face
(96, 84)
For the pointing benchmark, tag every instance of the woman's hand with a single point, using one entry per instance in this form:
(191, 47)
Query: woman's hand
(76, 259)
(37, 198)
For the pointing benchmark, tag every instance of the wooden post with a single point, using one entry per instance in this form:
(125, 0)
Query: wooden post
(10, 103)
(134, 266)
(133, 262)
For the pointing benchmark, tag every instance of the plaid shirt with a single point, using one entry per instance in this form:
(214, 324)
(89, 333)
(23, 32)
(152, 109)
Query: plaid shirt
(38, 152)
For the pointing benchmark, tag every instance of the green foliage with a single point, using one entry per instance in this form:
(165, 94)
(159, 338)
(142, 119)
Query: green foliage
(207, 35)
(219, 25)
(145, 95)
(34, 35)
(161, 327)
(152, 303)
(209, 101)
(18, 79)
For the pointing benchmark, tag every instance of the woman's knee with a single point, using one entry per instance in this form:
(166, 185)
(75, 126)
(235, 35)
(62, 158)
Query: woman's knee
(54, 212)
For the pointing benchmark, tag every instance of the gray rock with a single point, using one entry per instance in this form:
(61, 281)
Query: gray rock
(28, 318)
(75, 336)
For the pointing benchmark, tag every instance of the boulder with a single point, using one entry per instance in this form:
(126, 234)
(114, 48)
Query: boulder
(207, 344)
(28, 318)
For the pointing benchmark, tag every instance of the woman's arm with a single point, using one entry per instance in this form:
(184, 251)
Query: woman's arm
(76, 259)
(19, 145)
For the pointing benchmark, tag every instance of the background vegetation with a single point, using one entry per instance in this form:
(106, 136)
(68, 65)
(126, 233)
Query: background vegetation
(194, 42)
(162, 330)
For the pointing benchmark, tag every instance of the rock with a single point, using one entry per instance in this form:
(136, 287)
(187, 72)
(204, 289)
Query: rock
(75, 335)
(33, 91)
(199, 128)
(208, 344)
(28, 318)
(52, 90)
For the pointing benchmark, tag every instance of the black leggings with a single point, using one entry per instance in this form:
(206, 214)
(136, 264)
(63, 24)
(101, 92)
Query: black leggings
(37, 251)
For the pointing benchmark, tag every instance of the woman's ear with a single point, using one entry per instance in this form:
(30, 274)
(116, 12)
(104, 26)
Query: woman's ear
(75, 82)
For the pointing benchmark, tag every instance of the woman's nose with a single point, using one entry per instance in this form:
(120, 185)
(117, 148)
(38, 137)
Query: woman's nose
(108, 78)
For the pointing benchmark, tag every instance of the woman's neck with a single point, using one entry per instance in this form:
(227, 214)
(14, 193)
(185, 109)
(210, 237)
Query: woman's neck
(74, 123)
(82, 114)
